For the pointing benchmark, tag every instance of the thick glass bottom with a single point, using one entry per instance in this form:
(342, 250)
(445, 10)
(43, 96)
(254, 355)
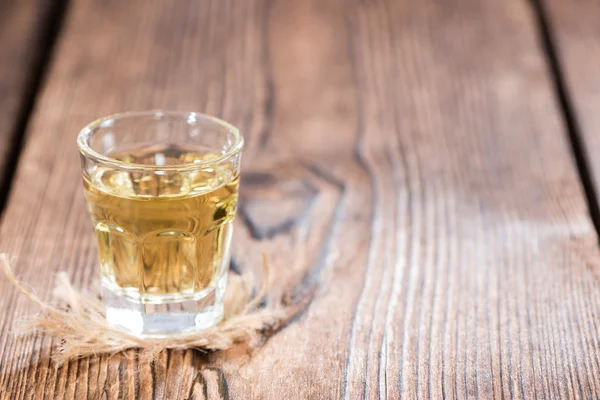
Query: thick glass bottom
(173, 315)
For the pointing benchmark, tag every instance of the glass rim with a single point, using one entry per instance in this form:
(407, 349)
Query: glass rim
(85, 149)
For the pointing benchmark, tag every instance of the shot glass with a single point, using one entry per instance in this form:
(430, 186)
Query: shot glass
(162, 191)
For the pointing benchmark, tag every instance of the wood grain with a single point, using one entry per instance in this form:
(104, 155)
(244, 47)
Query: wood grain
(408, 157)
(24, 34)
(576, 41)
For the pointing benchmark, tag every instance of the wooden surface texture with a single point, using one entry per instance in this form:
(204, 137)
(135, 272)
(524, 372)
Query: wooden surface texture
(410, 157)
(575, 37)
(24, 30)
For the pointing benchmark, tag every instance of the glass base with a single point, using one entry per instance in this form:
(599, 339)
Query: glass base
(159, 318)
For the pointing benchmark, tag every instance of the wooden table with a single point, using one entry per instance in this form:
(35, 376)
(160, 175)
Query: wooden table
(452, 147)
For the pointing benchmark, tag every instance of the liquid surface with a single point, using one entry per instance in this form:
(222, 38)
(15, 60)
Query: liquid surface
(162, 233)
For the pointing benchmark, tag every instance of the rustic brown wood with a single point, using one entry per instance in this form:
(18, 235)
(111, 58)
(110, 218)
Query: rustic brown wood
(23, 36)
(576, 38)
(418, 151)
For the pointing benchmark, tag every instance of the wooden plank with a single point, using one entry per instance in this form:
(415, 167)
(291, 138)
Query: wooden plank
(23, 37)
(575, 35)
(446, 223)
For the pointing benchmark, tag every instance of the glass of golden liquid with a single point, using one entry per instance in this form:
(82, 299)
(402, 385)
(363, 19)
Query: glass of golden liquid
(162, 190)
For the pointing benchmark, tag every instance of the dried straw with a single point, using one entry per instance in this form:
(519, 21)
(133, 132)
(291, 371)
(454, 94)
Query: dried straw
(82, 330)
